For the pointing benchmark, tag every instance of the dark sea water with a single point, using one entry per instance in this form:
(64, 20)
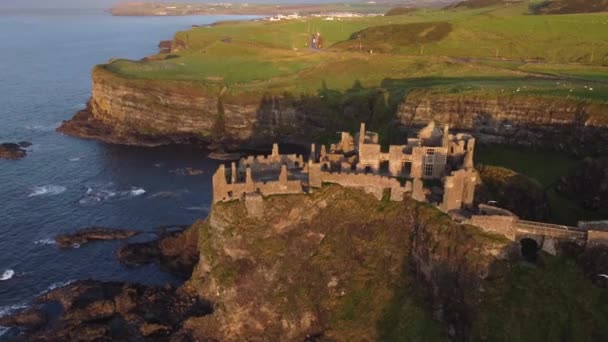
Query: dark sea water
(66, 183)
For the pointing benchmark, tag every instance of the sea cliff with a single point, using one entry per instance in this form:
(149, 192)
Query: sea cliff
(563, 124)
(153, 112)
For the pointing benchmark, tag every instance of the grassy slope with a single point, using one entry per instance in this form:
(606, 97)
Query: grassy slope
(552, 302)
(272, 55)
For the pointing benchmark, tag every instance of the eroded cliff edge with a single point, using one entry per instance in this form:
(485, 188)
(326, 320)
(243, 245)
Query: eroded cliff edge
(156, 112)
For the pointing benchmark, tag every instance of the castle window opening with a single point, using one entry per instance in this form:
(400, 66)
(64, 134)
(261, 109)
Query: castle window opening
(384, 166)
(368, 169)
(430, 152)
(406, 168)
(428, 170)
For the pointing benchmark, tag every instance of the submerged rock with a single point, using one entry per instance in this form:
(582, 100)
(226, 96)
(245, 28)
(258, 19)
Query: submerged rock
(12, 151)
(93, 234)
(225, 156)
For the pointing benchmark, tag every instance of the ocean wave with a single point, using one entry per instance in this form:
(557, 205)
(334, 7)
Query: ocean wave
(93, 196)
(8, 274)
(47, 190)
(44, 128)
(137, 191)
(7, 310)
(57, 285)
(75, 159)
(46, 241)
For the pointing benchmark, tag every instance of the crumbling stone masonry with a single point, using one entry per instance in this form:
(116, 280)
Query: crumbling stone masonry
(359, 162)
(503, 222)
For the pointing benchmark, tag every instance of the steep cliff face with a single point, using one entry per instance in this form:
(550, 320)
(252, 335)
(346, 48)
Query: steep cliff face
(543, 122)
(337, 264)
(157, 112)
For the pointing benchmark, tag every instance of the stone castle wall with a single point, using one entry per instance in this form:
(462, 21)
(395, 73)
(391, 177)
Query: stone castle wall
(370, 183)
(503, 225)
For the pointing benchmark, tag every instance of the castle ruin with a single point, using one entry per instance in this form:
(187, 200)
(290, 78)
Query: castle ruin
(435, 167)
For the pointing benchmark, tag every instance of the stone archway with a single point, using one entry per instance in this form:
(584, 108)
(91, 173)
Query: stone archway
(529, 248)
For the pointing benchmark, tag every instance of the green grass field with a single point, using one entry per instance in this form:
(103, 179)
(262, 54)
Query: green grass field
(499, 49)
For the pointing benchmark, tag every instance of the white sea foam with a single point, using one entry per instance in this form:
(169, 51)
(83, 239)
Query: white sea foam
(46, 241)
(94, 196)
(43, 128)
(57, 285)
(6, 310)
(8, 274)
(47, 190)
(137, 191)
(75, 159)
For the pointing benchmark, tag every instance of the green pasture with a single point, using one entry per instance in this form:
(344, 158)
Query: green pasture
(495, 50)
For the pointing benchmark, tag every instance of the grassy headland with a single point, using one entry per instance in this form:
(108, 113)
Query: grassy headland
(499, 49)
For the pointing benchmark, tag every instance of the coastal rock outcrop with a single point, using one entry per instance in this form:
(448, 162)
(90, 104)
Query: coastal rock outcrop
(176, 252)
(13, 151)
(93, 234)
(110, 311)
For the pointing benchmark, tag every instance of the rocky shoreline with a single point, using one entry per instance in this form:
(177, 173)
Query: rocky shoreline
(107, 311)
(90, 310)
